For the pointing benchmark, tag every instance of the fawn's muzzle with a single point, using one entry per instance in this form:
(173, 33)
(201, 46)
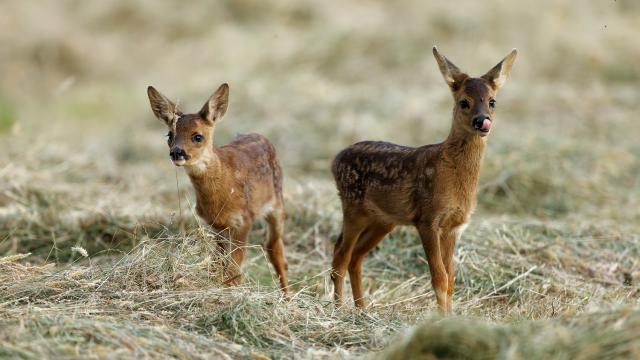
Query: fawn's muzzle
(178, 154)
(481, 123)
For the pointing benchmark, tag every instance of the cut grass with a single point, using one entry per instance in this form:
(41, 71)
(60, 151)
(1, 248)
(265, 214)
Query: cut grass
(166, 293)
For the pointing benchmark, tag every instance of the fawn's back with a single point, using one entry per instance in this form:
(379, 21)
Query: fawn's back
(391, 181)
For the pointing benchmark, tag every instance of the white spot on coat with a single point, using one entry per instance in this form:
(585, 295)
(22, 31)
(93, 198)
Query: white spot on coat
(429, 171)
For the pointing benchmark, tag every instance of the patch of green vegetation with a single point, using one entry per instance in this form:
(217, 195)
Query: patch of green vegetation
(609, 335)
(621, 72)
(8, 115)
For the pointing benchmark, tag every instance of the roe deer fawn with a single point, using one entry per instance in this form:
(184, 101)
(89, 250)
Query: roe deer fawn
(234, 184)
(433, 187)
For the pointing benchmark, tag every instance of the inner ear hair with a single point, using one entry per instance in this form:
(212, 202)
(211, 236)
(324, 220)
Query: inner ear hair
(163, 108)
(453, 76)
(216, 106)
(498, 75)
(458, 81)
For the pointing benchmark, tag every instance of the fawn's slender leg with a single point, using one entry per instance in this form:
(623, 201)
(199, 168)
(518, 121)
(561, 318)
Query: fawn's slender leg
(237, 246)
(370, 237)
(447, 246)
(430, 236)
(275, 246)
(352, 227)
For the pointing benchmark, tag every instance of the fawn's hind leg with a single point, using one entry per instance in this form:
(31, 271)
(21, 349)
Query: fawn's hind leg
(370, 237)
(352, 228)
(275, 245)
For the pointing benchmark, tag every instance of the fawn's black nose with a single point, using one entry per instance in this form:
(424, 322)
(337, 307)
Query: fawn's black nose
(177, 153)
(481, 122)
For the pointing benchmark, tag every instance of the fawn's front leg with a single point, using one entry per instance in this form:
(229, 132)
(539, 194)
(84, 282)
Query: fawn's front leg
(238, 243)
(447, 247)
(430, 236)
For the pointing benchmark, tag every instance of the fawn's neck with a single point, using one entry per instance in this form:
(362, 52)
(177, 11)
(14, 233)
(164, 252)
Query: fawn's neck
(207, 176)
(463, 153)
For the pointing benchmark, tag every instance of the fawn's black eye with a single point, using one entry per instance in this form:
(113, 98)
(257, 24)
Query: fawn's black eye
(492, 103)
(169, 137)
(464, 104)
(197, 138)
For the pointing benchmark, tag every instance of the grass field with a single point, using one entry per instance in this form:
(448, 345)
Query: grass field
(102, 255)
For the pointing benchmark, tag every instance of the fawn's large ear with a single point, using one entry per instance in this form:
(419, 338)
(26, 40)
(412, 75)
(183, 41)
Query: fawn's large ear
(499, 74)
(216, 106)
(163, 108)
(451, 74)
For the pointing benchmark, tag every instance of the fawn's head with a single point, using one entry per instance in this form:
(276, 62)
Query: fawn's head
(190, 136)
(474, 98)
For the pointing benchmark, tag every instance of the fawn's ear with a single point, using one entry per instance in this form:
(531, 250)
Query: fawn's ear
(499, 74)
(163, 108)
(216, 106)
(451, 74)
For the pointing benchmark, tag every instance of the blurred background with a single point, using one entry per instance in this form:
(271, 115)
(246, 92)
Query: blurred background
(315, 77)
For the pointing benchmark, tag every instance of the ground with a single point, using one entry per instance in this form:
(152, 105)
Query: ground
(102, 255)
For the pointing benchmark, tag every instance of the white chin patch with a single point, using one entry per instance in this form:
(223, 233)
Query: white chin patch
(179, 162)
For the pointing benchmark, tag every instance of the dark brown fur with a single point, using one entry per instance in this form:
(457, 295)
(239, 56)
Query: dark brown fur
(432, 187)
(235, 184)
